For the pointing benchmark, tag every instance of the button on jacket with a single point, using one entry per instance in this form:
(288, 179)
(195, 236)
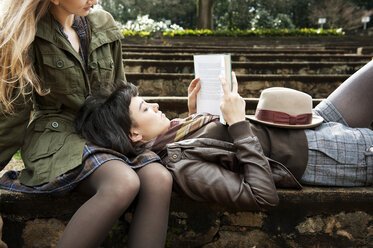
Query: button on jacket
(48, 144)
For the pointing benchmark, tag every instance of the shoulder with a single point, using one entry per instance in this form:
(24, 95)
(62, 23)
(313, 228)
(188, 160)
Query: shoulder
(101, 20)
(104, 28)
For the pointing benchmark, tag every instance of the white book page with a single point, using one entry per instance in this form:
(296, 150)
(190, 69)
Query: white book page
(208, 68)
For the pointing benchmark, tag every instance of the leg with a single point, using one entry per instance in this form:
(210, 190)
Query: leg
(354, 98)
(113, 187)
(150, 221)
(2, 244)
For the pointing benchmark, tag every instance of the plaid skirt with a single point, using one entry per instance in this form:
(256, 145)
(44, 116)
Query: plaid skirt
(338, 155)
(93, 157)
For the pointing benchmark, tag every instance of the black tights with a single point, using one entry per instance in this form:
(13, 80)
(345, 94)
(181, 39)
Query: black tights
(113, 186)
(354, 98)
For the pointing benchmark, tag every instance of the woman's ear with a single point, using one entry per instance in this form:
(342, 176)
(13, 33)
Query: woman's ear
(55, 2)
(135, 135)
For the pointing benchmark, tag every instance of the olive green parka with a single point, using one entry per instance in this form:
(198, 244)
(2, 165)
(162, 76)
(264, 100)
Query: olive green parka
(49, 146)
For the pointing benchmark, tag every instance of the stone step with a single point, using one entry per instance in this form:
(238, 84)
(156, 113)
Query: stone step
(348, 43)
(368, 50)
(247, 67)
(239, 46)
(358, 48)
(249, 85)
(221, 49)
(254, 57)
(321, 216)
(177, 106)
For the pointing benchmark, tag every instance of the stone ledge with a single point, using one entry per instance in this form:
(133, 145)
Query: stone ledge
(253, 57)
(39, 205)
(222, 49)
(312, 217)
(300, 41)
(176, 106)
(176, 84)
(244, 67)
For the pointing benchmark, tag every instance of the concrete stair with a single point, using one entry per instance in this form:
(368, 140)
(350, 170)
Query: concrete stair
(252, 57)
(246, 67)
(234, 49)
(176, 106)
(250, 85)
(162, 69)
(163, 72)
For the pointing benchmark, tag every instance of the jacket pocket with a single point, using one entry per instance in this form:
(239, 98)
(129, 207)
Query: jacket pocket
(333, 153)
(60, 74)
(204, 149)
(46, 139)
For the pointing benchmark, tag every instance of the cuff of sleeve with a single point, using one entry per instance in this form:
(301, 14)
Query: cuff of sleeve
(240, 130)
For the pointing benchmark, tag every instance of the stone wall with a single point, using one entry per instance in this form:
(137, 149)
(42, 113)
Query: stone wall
(312, 217)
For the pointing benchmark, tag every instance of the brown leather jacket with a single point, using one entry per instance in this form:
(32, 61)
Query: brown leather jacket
(236, 175)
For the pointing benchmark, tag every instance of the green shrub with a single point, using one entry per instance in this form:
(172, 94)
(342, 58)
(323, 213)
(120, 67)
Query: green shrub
(17, 155)
(240, 33)
(258, 32)
(136, 33)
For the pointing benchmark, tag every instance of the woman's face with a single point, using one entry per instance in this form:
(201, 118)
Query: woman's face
(149, 122)
(76, 7)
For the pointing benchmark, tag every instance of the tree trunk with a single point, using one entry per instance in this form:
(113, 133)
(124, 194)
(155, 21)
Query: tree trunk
(205, 10)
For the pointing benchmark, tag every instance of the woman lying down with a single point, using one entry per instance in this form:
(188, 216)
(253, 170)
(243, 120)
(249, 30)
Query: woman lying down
(240, 164)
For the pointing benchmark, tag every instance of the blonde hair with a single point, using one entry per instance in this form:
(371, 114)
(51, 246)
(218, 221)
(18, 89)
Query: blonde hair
(17, 31)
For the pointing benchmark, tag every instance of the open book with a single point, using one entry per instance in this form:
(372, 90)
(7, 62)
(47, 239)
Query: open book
(208, 68)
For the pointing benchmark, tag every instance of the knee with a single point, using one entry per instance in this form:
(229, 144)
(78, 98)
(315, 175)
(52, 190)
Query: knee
(128, 184)
(162, 183)
(157, 179)
(121, 189)
(163, 178)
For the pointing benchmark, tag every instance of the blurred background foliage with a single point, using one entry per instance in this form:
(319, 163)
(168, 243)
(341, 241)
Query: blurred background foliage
(248, 14)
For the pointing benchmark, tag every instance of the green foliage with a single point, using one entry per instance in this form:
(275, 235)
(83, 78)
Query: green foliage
(136, 33)
(257, 32)
(248, 14)
(181, 12)
(241, 33)
(339, 14)
(284, 14)
(231, 14)
(17, 155)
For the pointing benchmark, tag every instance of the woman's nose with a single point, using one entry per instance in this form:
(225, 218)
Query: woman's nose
(155, 107)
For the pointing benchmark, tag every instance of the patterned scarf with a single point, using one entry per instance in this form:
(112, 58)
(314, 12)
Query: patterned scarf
(80, 26)
(179, 130)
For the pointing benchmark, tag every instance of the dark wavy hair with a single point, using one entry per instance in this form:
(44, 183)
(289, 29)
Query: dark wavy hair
(105, 121)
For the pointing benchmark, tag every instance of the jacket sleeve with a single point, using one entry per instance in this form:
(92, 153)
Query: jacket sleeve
(12, 131)
(255, 166)
(118, 61)
(235, 175)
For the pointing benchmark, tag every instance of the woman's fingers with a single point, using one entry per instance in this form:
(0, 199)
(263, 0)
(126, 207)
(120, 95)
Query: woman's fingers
(193, 89)
(224, 85)
(234, 83)
(193, 85)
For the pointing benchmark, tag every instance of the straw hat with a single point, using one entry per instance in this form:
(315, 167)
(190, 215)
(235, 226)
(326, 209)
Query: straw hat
(285, 108)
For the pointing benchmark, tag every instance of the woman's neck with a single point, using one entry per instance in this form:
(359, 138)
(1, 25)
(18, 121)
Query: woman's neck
(64, 18)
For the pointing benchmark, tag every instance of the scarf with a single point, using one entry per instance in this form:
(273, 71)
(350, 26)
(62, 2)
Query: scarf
(179, 130)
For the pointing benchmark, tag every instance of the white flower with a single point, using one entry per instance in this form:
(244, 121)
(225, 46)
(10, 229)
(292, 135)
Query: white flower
(144, 23)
